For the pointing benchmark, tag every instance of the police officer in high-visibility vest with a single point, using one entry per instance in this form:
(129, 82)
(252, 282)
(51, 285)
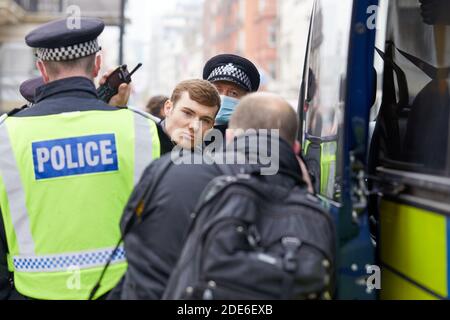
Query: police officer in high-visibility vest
(67, 168)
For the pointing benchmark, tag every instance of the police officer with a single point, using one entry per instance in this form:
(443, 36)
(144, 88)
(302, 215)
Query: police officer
(234, 77)
(67, 168)
(28, 89)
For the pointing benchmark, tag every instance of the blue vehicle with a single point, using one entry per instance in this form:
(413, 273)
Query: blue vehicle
(375, 112)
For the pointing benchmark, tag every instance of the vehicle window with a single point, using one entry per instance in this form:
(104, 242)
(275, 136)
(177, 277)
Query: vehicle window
(325, 89)
(415, 110)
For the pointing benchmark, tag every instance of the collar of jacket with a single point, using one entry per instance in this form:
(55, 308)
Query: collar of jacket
(288, 162)
(77, 85)
(162, 123)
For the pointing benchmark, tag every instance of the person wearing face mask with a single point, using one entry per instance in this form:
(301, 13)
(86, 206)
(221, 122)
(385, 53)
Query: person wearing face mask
(234, 77)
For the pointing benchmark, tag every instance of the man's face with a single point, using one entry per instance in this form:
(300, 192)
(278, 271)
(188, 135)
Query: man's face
(187, 121)
(230, 89)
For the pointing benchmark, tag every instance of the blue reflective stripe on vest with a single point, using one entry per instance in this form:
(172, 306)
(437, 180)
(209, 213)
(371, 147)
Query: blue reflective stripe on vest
(65, 262)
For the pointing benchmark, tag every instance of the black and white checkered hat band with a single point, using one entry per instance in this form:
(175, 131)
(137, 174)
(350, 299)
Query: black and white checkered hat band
(76, 51)
(232, 73)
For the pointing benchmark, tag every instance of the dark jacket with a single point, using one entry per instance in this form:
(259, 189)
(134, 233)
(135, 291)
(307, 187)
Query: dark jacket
(66, 95)
(222, 128)
(153, 245)
(166, 143)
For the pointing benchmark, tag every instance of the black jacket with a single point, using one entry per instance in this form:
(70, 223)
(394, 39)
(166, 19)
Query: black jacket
(153, 245)
(66, 95)
(166, 143)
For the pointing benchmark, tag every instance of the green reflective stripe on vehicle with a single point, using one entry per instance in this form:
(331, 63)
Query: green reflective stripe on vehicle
(328, 168)
(15, 193)
(307, 143)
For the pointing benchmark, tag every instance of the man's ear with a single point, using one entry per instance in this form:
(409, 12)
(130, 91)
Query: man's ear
(297, 147)
(168, 107)
(41, 67)
(97, 66)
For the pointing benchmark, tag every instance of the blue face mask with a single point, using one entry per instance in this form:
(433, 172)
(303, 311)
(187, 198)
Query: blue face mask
(227, 108)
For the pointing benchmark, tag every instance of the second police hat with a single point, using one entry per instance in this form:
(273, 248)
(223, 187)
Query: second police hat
(61, 41)
(28, 88)
(233, 68)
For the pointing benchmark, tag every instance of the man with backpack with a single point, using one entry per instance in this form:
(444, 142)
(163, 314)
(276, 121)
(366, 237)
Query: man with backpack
(162, 212)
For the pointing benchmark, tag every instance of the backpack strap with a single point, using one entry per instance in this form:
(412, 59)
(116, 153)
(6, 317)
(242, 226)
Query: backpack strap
(139, 210)
(132, 220)
(17, 110)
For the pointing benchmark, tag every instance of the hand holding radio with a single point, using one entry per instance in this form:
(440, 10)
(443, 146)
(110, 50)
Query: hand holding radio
(114, 86)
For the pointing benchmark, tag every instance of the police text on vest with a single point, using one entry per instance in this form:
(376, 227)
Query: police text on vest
(75, 156)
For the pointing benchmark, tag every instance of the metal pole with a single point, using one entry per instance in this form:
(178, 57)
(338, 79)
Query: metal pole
(122, 30)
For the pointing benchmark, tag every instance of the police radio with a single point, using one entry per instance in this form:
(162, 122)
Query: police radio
(111, 87)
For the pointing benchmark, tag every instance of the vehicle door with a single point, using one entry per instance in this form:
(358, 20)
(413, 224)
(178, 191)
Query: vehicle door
(334, 107)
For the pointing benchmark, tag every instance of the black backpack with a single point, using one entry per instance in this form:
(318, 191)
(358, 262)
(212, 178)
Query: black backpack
(253, 241)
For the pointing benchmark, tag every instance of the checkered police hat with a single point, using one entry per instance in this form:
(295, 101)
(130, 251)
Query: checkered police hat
(61, 41)
(232, 68)
(68, 53)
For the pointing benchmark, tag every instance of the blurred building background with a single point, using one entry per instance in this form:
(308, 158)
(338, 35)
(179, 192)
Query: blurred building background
(172, 38)
(244, 27)
(293, 27)
(18, 17)
(177, 42)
